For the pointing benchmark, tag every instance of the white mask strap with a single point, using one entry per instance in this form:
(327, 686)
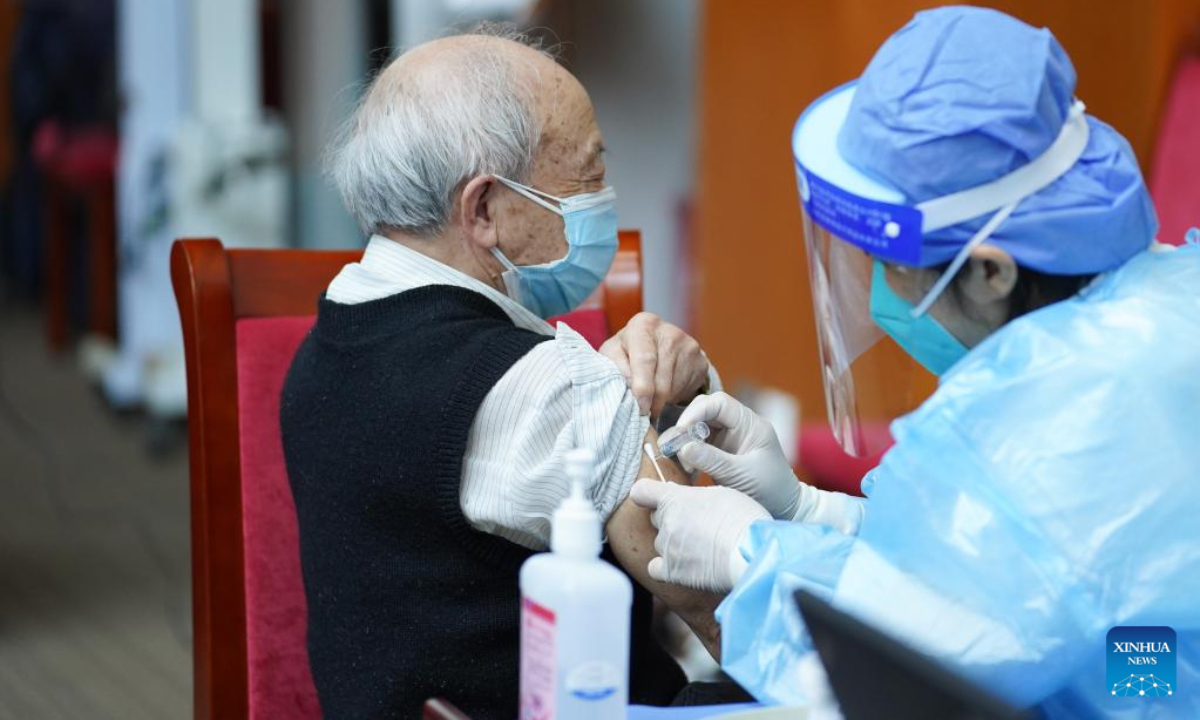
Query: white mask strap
(984, 233)
(503, 260)
(537, 196)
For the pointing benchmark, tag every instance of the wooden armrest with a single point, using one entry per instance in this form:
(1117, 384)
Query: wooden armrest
(441, 709)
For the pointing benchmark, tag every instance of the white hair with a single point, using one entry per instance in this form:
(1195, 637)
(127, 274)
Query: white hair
(419, 133)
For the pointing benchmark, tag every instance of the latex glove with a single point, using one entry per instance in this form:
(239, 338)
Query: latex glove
(664, 365)
(743, 453)
(699, 531)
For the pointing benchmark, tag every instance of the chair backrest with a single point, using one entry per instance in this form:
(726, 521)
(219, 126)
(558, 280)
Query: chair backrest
(244, 312)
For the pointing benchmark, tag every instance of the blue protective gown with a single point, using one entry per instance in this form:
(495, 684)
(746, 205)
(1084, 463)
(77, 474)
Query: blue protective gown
(1048, 491)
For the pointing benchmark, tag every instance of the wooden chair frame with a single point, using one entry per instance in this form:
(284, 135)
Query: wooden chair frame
(214, 288)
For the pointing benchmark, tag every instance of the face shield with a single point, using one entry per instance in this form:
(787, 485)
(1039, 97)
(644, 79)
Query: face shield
(851, 221)
(868, 379)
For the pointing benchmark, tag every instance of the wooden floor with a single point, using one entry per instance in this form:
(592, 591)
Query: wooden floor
(94, 568)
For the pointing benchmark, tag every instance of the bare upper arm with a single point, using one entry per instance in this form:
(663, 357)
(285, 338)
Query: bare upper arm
(631, 536)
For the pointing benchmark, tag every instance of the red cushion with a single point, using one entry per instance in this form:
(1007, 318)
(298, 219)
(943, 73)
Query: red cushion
(280, 681)
(591, 324)
(1175, 183)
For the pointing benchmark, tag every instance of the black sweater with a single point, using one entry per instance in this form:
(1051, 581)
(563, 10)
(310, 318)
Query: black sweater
(405, 600)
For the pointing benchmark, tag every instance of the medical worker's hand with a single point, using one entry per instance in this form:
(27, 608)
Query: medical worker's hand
(699, 530)
(743, 453)
(664, 365)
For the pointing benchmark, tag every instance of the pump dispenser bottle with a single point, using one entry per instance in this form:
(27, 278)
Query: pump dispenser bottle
(574, 616)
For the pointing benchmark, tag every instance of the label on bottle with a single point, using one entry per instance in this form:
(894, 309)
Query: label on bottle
(593, 681)
(538, 661)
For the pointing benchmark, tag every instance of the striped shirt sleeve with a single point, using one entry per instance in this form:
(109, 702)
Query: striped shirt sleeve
(561, 395)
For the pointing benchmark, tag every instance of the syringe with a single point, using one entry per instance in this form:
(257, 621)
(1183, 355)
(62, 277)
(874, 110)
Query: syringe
(673, 439)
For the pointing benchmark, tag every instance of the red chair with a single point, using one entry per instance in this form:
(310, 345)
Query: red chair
(244, 313)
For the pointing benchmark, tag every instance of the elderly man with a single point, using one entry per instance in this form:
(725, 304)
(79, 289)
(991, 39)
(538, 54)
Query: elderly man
(426, 417)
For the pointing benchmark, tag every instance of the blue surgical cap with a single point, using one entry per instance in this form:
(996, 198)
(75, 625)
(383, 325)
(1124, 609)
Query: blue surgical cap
(961, 96)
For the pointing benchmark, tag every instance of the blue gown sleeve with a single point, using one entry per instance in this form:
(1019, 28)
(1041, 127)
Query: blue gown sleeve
(762, 635)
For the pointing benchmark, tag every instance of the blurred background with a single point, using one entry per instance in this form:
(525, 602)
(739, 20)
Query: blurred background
(125, 124)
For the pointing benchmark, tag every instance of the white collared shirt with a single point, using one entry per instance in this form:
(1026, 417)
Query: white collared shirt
(561, 395)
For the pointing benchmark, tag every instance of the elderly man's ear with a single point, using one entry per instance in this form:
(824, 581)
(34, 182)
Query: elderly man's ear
(477, 211)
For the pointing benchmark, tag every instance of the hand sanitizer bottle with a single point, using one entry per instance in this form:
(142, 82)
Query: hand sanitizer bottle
(574, 616)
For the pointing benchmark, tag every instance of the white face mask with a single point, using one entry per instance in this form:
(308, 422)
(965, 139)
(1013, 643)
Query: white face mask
(558, 287)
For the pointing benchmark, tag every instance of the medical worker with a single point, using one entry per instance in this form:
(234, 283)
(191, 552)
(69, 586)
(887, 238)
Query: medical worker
(958, 198)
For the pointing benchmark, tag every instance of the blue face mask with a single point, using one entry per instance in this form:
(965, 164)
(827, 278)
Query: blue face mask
(921, 337)
(558, 287)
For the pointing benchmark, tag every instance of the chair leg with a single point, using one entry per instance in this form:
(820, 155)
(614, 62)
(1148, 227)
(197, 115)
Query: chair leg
(54, 265)
(102, 275)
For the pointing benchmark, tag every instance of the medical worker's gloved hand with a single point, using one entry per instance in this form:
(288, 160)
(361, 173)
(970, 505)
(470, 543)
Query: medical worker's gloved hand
(699, 531)
(744, 454)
